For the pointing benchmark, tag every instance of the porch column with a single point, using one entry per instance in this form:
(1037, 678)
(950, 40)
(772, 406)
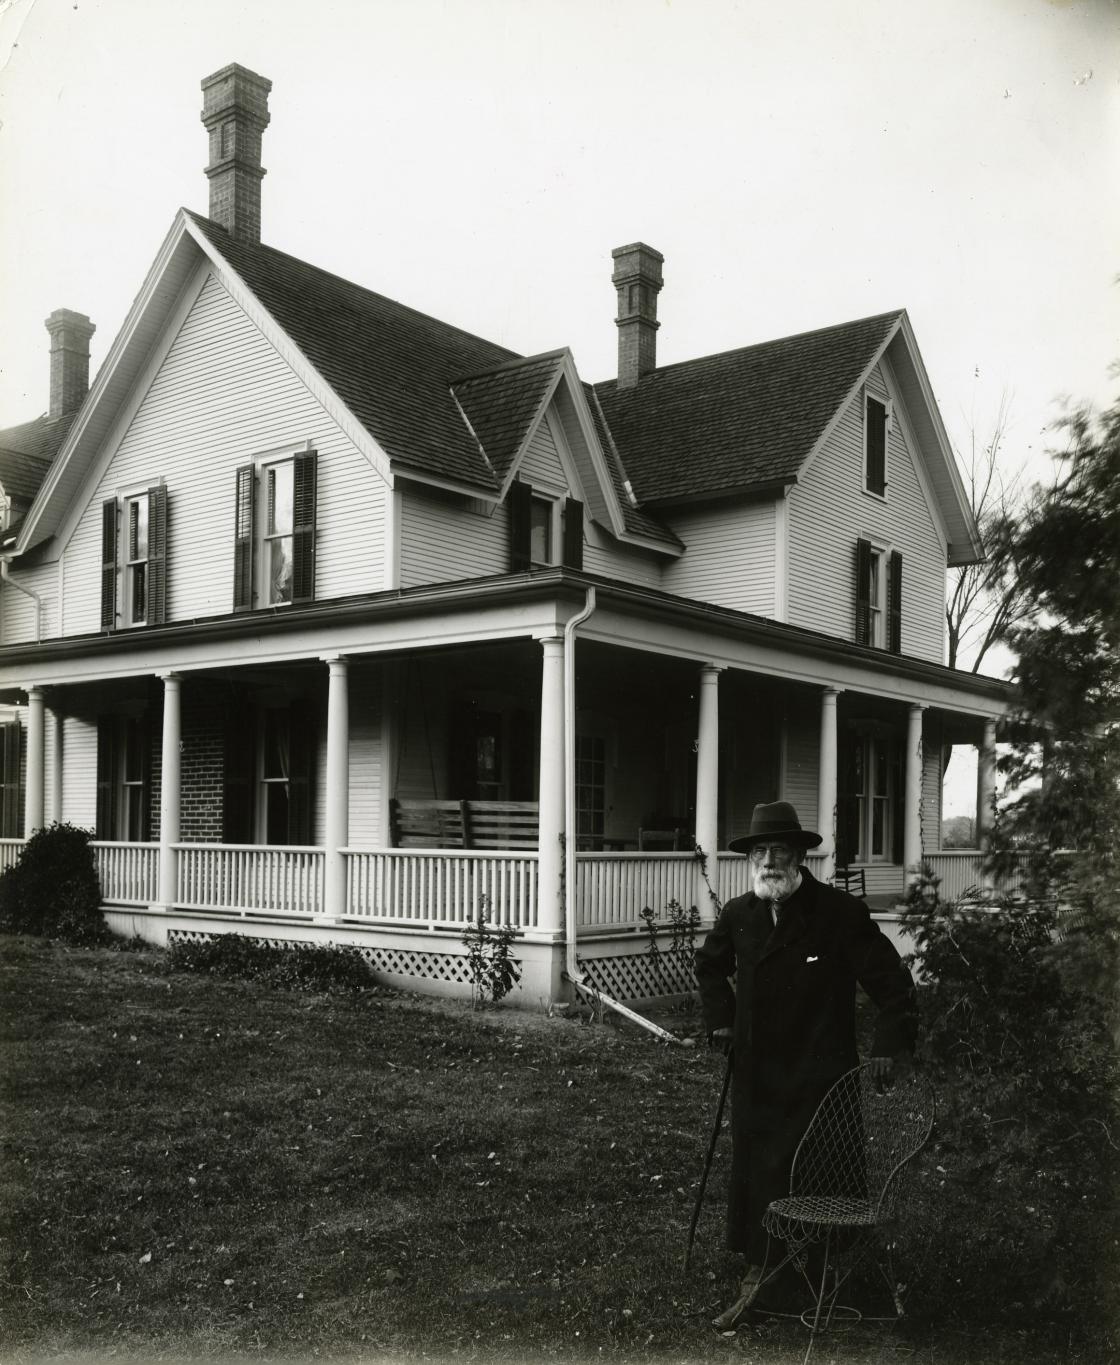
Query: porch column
(826, 786)
(986, 794)
(56, 769)
(338, 788)
(170, 794)
(36, 760)
(550, 849)
(912, 827)
(707, 771)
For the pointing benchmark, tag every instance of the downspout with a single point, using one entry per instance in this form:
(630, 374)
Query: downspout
(572, 971)
(5, 560)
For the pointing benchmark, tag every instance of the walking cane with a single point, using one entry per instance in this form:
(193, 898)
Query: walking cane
(708, 1163)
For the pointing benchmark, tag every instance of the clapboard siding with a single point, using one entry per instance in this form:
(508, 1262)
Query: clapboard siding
(730, 556)
(627, 564)
(18, 611)
(801, 759)
(445, 537)
(931, 788)
(829, 511)
(541, 464)
(367, 767)
(79, 784)
(222, 397)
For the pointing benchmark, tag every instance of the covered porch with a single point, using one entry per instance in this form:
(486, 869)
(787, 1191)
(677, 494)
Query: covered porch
(606, 755)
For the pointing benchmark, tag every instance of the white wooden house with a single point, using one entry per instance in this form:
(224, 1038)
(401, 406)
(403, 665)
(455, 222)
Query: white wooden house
(305, 561)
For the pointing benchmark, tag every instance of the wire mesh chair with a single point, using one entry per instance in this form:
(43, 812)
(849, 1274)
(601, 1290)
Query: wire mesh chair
(846, 1185)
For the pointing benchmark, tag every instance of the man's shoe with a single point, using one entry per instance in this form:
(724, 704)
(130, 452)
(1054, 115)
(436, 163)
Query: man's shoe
(748, 1291)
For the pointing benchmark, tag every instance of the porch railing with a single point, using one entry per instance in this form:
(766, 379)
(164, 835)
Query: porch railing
(129, 873)
(441, 887)
(247, 879)
(10, 849)
(612, 889)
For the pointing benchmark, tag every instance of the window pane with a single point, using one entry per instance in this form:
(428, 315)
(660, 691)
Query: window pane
(133, 752)
(138, 528)
(878, 828)
(540, 531)
(138, 593)
(275, 744)
(882, 770)
(280, 487)
(279, 554)
(276, 812)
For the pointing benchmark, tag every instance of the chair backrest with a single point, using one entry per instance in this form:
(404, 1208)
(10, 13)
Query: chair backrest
(853, 880)
(862, 1135)
(668, 839)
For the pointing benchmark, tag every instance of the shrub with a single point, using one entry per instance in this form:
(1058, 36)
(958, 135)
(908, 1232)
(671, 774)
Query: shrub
(1020, 1176)
(53, 890)
(287, 966)
(494, 972)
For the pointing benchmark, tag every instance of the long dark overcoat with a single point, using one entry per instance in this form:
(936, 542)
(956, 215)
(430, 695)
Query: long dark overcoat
(793, 1014)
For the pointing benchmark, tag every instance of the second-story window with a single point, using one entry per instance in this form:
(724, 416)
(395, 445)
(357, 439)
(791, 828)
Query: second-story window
(134, 559)
(541, 514)
(878, 597)
(274, 532)
(543, 529)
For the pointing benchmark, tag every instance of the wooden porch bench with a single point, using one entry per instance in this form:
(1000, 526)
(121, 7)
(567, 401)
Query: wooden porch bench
(464, 824)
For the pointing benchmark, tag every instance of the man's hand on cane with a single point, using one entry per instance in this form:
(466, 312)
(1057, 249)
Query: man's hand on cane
(721, 1038)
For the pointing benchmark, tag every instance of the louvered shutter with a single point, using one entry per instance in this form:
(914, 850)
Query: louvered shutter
(106, 776)
(898, 832)
(301, 753)
(875, 437)
(156, 586)
(237, 774)
(109, 564)
(11, 821)
(894, 602)
(305, 473)
(520, 525)
(863, 592)
(244, 538)
(573, 533)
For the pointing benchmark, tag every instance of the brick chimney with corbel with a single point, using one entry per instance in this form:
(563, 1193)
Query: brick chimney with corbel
(70, 333)
(637, 277)
(235, 113)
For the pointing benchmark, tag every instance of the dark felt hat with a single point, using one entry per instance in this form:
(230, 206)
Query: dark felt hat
(772, 824)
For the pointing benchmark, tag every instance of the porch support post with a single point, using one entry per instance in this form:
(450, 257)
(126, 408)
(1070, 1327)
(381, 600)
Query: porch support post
(826, 785)
(56, 769)
(707, 772)
(550, 850)
(36, 759)
(338, 788)
(912, 827)
(170, 794)
(986, 795)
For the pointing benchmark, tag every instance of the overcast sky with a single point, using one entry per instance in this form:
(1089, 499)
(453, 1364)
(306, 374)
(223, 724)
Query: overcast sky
(798, 163)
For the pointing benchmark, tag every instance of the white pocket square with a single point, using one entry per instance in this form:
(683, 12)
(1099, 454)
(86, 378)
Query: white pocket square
(812, 959)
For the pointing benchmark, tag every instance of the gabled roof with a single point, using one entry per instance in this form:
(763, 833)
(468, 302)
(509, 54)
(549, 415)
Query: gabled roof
(26, 452)
(392, 366)
(741, 419)
(502, 405)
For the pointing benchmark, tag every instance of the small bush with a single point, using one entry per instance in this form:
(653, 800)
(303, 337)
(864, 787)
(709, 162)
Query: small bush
(53, 891)
(289, 966)
(1019, 1181)
(494, 971)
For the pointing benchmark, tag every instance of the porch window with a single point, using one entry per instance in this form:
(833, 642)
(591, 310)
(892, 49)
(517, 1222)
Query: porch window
(140, 562)
(11, 792)
(274, 532)
(268, 771)
(869, 816)
(124, 778)
(591, 788)
(878, 597)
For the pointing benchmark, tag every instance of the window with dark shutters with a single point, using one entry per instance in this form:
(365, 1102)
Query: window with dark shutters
(875, 444)
(244, 538)
(303, 526)
(156, 585)
(301, 747)
(520, 498)
(863, 592)
(894, 602)
(11, 797)
(573, 533)
(109, 564)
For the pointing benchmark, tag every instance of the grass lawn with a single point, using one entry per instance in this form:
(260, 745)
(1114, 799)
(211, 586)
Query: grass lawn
(196, 1168)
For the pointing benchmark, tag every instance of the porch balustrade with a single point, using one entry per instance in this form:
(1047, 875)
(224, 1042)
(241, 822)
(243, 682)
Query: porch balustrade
(438, 887)
(612, 889)
(245, 879)
(128, 873)
(10, 849)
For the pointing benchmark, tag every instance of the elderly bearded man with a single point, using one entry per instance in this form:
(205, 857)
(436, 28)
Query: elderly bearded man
(797, 947)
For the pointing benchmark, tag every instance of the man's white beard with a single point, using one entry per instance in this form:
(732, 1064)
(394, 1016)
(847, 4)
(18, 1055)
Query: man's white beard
(775, 885)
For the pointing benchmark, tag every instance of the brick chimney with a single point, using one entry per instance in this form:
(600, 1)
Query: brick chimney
(235, 112)
(70, 334)
(637, 277)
